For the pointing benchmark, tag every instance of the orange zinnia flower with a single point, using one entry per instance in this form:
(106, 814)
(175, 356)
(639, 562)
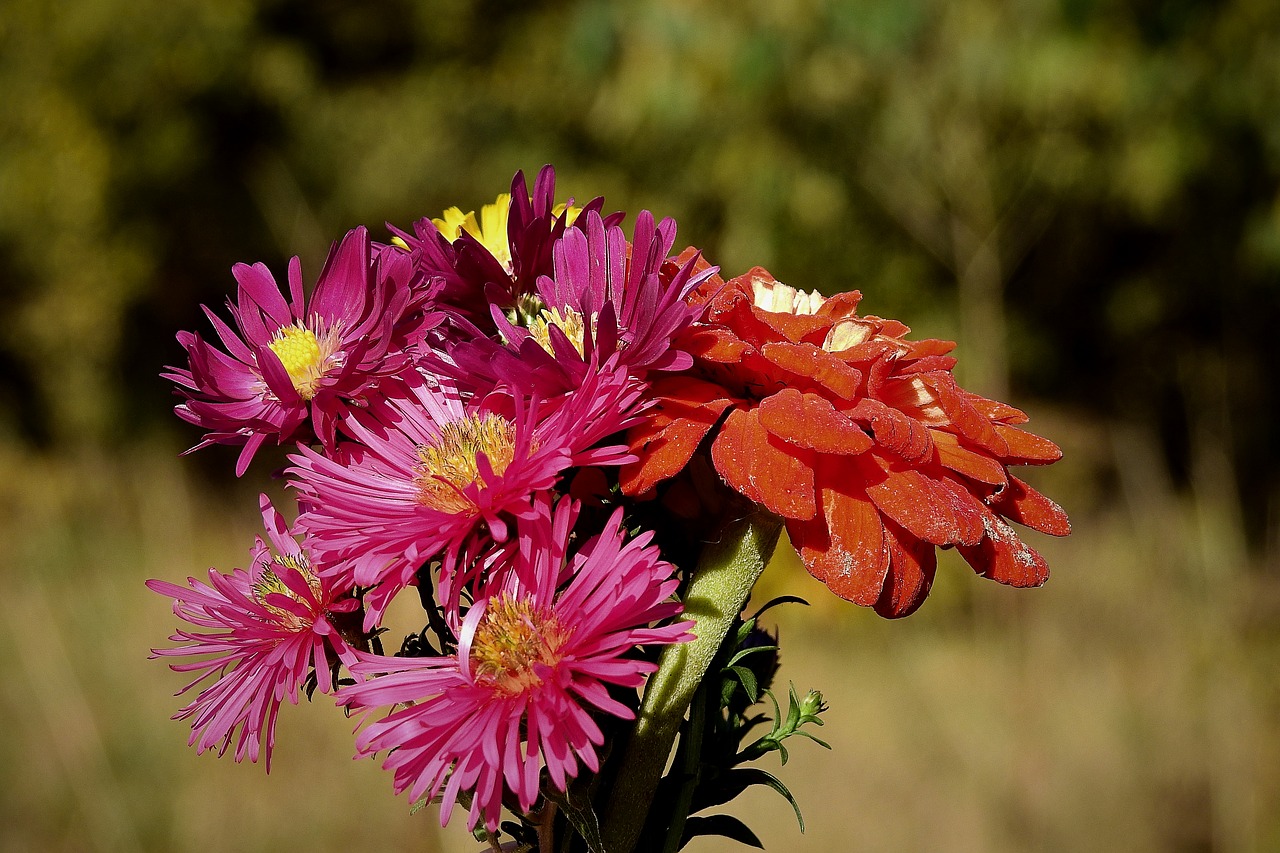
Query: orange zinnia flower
(858, 438)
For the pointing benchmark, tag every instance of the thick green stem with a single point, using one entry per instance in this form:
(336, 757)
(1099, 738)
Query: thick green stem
(716, 594)
(689, 760)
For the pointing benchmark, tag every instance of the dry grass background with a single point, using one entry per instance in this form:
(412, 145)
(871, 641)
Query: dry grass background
(1130, 704)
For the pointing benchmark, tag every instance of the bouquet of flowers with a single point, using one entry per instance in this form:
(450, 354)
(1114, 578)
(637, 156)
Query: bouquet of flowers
(576, 448)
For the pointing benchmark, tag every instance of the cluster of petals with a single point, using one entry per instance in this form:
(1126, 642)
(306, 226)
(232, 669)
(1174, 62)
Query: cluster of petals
(860, 439)
(447, 391)
(476, 271)
(537, 652)
(263, 631)
(606, 298)
(292, 366)
(431, 463)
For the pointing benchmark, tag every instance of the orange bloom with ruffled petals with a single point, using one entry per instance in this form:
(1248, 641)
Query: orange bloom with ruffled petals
(860, 439)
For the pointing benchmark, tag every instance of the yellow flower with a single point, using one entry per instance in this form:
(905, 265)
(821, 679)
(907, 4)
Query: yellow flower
(491, 230)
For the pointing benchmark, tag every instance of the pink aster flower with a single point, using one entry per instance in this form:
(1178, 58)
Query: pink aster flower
(291, 367)
(430, 464)
(535, 656)
(499, 261)
(269, 628)
(604, 297)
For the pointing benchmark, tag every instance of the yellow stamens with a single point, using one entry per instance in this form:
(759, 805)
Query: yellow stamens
(269, 582)
(512, 637)
(570, 322)
(306, 356)
(449, 463)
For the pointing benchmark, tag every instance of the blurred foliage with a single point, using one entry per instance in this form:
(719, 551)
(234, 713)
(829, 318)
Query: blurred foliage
(1085, 194)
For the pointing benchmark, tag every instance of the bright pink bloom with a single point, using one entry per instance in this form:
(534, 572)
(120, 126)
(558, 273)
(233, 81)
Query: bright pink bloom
(605, 297)
(535, 655)
(429, 465)
(471, 277)
(292, 367)
(270, 627)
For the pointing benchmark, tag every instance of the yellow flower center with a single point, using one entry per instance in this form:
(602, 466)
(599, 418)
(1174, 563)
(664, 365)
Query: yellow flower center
(491, 230)
(570, 322)
(448, 464)
(269, 582)
(306, 356)
(513, 636)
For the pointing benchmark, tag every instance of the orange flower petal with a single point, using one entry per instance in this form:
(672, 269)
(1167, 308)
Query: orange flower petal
(1027, 448)
(968, 509)
(995, 410)
(664, 451)
(712, 343)
(1023, 504)
(794, 327)
(962, 460)
(966, 419)
(841, 305)
(812, 362)
(1004, 557)
(665, 442)
(765, 468)
(845, 547)
(912, 566)
(810, 421)
(916, 503)
(893, 430)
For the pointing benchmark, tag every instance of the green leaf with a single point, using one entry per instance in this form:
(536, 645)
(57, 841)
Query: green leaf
(761, 777)
(576, 805)
(774, 602)
(748, 679)
(721, 824)
(744, 652)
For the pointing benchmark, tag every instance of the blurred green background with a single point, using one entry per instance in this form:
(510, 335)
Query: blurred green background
(1085, 194)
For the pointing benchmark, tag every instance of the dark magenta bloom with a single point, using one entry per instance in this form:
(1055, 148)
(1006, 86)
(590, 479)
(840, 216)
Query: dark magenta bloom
(477, 269)
(292, 367)
(605, 299)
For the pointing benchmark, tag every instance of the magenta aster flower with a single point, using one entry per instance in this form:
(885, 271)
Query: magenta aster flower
(430, 464)
(271, 626)
(498, 258)
(292, 367)
(605, 297)
(535, 656)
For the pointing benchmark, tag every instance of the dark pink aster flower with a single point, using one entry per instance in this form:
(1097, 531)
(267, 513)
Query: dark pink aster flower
(535, 656)
(429, 465)
(291, 367)
(605, 297)
(500, 259)
(269, 628)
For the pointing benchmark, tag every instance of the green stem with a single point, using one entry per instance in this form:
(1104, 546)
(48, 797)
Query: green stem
(716, 594)
(689, 759)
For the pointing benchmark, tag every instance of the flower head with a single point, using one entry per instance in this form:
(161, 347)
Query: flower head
(606, 298)
(430, 464)
(859, 438)
(497, 259)
(536, 653)
(267, 629)
(292, 367)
